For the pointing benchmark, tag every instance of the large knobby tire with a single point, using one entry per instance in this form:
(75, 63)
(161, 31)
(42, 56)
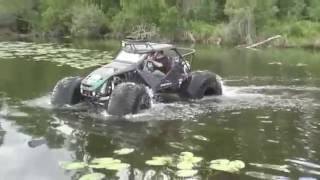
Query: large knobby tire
(67, 91)
(128, 98)
(200, 84)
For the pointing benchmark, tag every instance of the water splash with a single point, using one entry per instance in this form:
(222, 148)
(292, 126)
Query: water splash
(41, 102)
(4, 110)
(235, 98)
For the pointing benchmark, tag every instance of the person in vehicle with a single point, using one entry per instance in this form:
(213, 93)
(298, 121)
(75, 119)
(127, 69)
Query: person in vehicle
(160, 62)
(160, 57)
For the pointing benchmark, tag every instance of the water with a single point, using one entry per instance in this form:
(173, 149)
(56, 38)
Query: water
(268, 117)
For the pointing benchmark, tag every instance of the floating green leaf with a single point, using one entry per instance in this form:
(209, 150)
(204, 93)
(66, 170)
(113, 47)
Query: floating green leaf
(184, 165)
(155, 163)
(238, 164)
(105, 160)
(186, 173)
(159, 161)
(227, 165)
(77, 58)
(92, 176)
(124, 151)
(117, 166)
(72, 165)
(189, 157)
(108, 163)
(224, 167)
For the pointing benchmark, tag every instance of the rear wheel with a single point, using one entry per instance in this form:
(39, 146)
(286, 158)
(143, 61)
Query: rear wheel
(128, 98)
(67, 91)
(200, 84)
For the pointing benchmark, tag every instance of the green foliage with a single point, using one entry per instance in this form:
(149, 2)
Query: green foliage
(313, 10)
(56, 15)
(234, 21)
(203, 30)
(291, 9)
(205, 11)
(170, 20)
(88, 20)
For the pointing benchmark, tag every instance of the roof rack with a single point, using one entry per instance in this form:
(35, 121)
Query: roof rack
(132, 44)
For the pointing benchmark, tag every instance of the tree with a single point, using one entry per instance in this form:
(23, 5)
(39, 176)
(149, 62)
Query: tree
(291, 9)
(313, 10)
(241, 27)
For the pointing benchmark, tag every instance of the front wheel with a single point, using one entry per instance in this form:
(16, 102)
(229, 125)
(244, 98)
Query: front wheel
(200, 84)
(67, 91)
(128, 98)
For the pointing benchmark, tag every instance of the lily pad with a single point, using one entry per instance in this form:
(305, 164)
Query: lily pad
(184, 165)
(123, 151)
(159, 161)
(189, 157)
(117, 166)
(238, 164)
(83, 58)
(186, 173)
(156, 163)
(163, 158)
(72, 165)
(105, 160)
(93, 176)
(224, 167)
(227, 165)
(108, 163)
(111, 166)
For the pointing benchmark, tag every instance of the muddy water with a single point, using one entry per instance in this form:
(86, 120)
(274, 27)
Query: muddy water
(268, 117)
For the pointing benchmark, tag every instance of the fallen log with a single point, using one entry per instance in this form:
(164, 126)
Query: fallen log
(263, 42)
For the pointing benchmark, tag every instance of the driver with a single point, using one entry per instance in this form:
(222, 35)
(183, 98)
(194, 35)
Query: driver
(154, 65)
(161, 62)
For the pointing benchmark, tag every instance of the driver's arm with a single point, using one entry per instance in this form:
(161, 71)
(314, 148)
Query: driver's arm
(158, 64)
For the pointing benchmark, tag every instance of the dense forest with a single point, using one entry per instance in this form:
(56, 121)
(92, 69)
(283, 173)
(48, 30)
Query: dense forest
(208, 21)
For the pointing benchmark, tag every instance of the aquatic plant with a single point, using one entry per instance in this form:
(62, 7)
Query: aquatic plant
(107, 163)
(184, 163)
(61, 55)
(227, 165)
(92, 176)
(160, 161)
(124, 151)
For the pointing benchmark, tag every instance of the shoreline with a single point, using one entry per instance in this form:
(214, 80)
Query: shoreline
(281, 43)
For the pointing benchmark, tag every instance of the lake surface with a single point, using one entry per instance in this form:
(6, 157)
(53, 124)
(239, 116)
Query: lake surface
(268, 117)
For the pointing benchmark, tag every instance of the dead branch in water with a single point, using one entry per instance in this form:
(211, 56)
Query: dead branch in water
(253, 46)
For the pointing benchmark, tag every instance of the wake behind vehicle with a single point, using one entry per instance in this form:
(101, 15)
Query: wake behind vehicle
(124, 85)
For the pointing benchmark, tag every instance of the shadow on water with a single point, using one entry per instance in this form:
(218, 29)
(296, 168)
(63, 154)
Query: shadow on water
(268, 117)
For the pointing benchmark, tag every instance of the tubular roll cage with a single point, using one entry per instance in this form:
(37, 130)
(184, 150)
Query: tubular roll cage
(132, 45)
